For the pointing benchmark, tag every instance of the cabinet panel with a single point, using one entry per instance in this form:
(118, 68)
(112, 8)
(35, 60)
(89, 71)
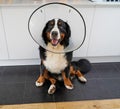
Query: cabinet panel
(87, 13)
(3, 46)
(20, 44)
(105, 35)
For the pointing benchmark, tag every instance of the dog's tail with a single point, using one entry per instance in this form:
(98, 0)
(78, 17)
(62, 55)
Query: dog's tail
(83, 65)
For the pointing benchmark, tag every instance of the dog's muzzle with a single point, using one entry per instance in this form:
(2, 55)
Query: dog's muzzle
(54, 38)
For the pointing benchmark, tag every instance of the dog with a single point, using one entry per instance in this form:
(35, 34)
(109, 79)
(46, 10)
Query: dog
(56, 35)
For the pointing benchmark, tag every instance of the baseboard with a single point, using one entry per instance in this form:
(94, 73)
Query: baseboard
(104, 59)
(12, 62)
(100, 59)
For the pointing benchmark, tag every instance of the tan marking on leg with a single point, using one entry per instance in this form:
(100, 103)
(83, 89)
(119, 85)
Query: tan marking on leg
(72, 71)
(78, 73)
(52, 87)
(67, 81)
(41, 79)
(47, 76)
(52, 80)
(80, 76)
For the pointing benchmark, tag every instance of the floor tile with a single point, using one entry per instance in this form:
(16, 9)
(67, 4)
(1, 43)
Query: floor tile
(2, 68)
(107, 70)
(33, 73)
(104, 67)
(111, 88)
(117, 65)
(35, 94)
(17, 85)
(87, 91)
(63, 94)
(13, 74)
(11, 93)
(93, 73)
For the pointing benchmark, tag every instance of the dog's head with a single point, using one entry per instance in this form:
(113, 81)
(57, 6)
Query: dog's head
(56, 31)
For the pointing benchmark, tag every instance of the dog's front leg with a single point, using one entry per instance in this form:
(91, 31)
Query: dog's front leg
(44, 74)
(66, 79)
(52, 87)
(40, 81)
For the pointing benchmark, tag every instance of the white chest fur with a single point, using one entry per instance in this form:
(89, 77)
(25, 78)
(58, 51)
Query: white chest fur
(55, 63)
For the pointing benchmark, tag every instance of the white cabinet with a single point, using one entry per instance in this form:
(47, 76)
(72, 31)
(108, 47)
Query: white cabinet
(87, 13)
(105, 34)
(20, 44)
(3, 46)
(102, 37)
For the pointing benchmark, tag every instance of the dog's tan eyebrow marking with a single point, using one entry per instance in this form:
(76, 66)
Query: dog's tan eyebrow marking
(51, 22)
(59, 23)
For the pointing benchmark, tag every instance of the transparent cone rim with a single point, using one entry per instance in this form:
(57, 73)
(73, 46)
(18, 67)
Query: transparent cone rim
(78, 26)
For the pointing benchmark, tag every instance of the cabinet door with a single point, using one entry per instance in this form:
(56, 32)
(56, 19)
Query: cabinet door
(87, 13)
(20, 44)
(3, 46)
(105, 34)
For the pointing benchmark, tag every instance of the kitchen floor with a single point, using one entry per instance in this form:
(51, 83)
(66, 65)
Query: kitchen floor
(17, 85)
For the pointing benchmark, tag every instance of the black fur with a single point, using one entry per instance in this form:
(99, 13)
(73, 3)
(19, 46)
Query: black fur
(46, 29)
(64, 28)
(67, 32)
(83, 65)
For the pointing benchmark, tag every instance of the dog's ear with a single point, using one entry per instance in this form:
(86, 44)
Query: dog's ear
(44, 33)
(65, 42)
(68, 30)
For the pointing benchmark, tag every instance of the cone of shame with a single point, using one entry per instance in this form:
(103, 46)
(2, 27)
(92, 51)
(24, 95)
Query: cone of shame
(67, 13)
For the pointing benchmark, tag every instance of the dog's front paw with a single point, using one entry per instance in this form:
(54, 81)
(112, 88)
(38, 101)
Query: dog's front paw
(40, 81)
(69, 87)
(52, 89)
(82, 79)
(68, 84)
(38, 84)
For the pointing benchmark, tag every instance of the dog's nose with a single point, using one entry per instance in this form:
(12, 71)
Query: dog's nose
(54, 33)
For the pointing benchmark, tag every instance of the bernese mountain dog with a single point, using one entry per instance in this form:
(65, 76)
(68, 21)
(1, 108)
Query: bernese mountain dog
(56, 35)
(58, 66)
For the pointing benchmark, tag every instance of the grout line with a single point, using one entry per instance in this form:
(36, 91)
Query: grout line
(116, 67)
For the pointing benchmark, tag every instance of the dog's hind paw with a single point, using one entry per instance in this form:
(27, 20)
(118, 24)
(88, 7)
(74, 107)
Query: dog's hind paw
(82, 79)
(52, 89)
(38, 84)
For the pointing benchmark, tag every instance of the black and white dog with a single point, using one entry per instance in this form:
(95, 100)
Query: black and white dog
(56, 34)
